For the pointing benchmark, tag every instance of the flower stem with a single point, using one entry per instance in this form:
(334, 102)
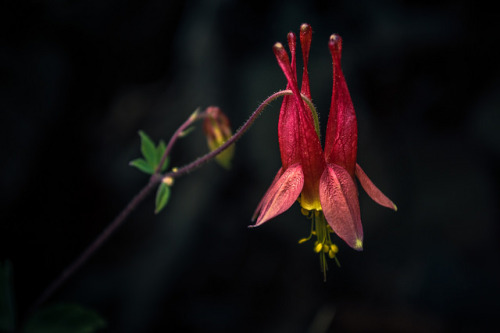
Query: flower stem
(146, 190)
(178, 133)
(209, 156)
(98, 242)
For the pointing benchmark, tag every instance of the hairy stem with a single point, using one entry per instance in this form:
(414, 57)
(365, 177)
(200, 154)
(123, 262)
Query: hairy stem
(178, 133)
(155, 179)
(98, 242)
(209, 156)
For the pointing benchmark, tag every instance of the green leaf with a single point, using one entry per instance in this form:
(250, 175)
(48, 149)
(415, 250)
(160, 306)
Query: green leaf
(162, 196)
(64, 318)
(7, 311)
(148, 149)
(160, 150)
(165, 164)
(142, 165)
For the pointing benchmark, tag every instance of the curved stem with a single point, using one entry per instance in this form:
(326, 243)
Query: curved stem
(97, 243)
(155, 179)
(209, 156)
(195, 116)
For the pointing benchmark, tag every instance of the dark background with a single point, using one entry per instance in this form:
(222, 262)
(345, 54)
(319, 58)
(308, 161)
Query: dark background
(80, 78)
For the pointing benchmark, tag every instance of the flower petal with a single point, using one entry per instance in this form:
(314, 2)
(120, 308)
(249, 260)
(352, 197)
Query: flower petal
(305, 44)
(339, 201)
(299, 142)
(288, 118)
(282, 194)
(373, 190)
(341, 140)
(264, 199)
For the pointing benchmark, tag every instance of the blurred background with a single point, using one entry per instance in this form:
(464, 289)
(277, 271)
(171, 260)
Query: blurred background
(80, 78)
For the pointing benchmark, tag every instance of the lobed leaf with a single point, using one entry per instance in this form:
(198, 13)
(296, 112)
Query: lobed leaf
(142, 165)
(148, 149)
(160, 150)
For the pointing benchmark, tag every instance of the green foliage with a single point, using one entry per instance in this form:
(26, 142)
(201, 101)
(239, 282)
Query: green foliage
(64, 318)
(142, 165)
(7, 312)
(162, 196)
(152, 155)
(148, 148)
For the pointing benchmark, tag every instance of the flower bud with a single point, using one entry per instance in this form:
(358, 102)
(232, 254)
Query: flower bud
(218, 130)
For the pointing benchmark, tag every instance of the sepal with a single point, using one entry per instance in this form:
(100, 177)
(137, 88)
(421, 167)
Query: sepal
(373, 190)
(283, 192)
(339, 200)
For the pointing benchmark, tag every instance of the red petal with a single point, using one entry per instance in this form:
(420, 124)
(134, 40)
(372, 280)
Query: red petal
(283, 192)
(284, 62)
(290, 74)
(292, 45)
(373, 190)
(341, 139)
(299, 142)
(339, 201)
(287, 137)
(288, 118)
(305, 43)
(264, 199)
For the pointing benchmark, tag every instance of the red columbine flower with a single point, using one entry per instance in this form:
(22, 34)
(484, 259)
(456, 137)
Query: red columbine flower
(321, 180)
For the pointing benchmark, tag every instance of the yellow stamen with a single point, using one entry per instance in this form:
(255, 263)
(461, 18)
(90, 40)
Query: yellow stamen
(318, 247)
(307, 204)
(323, 244)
